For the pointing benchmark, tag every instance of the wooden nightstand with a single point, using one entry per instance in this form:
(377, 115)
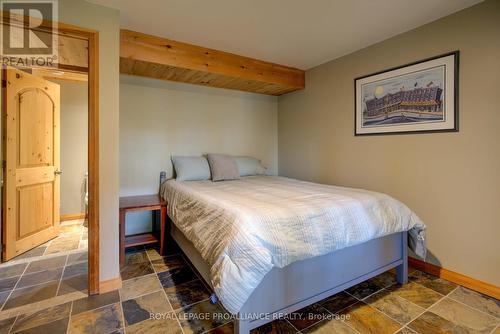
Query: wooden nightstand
(141, 203)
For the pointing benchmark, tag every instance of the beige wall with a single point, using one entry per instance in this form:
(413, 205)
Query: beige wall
(74, 143)
(107, 22)
(159, 119)
(451, 180)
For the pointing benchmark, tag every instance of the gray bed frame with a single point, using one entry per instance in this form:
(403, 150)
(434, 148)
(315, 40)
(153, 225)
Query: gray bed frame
(303, 283)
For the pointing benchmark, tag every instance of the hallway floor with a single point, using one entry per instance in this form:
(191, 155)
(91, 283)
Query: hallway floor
(170, 289)
(47, 275)
(73, 237)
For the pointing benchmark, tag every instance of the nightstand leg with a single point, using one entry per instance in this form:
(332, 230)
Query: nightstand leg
(122, 237)
(163, 219)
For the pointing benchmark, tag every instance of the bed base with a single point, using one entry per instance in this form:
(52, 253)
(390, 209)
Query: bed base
(303, 283)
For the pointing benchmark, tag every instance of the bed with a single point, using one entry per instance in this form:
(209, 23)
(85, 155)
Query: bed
(272, 245)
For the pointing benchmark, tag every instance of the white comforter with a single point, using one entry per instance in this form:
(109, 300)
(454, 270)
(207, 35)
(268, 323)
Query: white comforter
(244, 228)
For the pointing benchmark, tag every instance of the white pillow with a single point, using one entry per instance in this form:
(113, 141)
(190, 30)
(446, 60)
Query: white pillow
(191, 168)
(248, 166)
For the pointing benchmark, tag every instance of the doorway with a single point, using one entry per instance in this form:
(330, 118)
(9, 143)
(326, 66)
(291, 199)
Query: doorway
(39, 229)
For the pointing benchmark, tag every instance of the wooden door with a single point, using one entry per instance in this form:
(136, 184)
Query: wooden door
(31, 168)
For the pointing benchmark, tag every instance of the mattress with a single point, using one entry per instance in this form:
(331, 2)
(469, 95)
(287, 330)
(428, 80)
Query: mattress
(244, 228)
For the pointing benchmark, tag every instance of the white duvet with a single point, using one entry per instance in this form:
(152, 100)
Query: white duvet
(243, 228)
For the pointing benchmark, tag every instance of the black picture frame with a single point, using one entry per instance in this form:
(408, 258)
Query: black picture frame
(455, 82)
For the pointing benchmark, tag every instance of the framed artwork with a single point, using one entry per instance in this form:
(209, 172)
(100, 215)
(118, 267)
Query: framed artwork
(414, 98)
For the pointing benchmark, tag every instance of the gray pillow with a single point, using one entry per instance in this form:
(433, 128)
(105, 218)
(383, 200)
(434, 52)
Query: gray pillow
(248, 166)
(222, 167)
(191, 168)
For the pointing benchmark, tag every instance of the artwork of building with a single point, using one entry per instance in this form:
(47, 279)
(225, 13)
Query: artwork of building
(426, 99)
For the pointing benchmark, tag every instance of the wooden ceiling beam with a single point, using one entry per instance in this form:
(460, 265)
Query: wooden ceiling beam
(160, 58)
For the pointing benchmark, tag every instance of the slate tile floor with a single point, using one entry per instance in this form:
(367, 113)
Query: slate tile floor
(37, 280)
(44, 282)
(170, 288)
(72, 238)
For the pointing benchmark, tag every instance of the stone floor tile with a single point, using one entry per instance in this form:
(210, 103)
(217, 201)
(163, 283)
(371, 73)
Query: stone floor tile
(364, 289)
(338, 302)
(136, 270)
(168, 262)
(95, 301)
(307, 316)
(185, 294)
(155, 326)
(141, 308)
(176, 276)
(430, 323)
(276, 327)
(39, 277)
(139, 286)
(75, 270)
(394, 306)
(42, 317)
(437, 284)
(46, 264)
(102, 320)
(416, 293)
(477, 300)
(8, 284)
(329, 327)
(7, 271)
(6, 324)
(73, 284)
(56, 327)
(212, 315)
(77, 257)
(365, 319)
(32, 294)
(465, 316)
